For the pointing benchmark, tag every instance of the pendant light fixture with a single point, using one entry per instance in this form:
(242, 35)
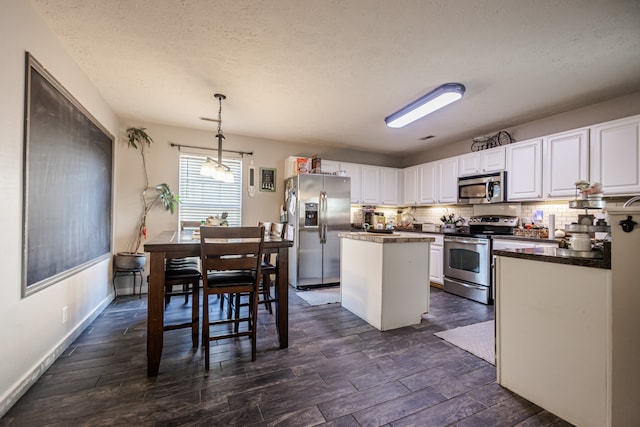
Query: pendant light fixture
(432, 101)
(214, 168)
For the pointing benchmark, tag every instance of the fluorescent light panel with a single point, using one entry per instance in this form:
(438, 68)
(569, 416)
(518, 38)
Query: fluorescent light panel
(434, 100)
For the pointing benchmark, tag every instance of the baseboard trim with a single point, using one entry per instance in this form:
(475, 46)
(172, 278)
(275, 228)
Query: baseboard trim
(436, 285)
(13, 395)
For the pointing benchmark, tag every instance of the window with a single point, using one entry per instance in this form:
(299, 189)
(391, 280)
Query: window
(202, 197)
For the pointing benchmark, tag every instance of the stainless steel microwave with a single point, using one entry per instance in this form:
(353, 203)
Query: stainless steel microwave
(487, 188)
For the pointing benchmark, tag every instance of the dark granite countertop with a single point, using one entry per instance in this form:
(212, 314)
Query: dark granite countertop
(526, 239)
(549, 255)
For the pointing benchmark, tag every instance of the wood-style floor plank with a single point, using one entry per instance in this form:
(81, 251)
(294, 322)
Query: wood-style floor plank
(337, 371)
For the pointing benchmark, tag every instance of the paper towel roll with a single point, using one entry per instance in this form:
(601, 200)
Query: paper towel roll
(552, 226)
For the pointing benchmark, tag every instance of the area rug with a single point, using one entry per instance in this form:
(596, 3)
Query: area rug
(320, 296)
(478, 339)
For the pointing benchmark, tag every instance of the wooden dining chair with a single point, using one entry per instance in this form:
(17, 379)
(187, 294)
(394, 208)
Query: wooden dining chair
(231, 259)
(268, 269)
(184, 272)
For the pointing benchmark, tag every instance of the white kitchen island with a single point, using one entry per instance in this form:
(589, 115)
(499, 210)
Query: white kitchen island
(384, 278)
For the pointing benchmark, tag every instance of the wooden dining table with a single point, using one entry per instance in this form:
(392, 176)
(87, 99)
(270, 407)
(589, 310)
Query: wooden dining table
(179, 244)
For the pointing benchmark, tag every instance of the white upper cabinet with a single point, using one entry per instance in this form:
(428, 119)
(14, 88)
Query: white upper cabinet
(447, 180)
(390, 186)
(427, 183)
(354, 171)
(480, 162)
(411, 185)
(469, 164)
(615, 156)
(370, 184)
(524, 170)
(438, 182)
(329, 166)
(566, 160)
(493, 160)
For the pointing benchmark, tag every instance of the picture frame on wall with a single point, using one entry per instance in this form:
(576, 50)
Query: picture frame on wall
(267, 179)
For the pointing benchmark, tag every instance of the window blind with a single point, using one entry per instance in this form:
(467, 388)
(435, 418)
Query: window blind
(202, 197)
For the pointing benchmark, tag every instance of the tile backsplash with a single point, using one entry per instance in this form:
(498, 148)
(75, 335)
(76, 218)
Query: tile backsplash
(564, 215)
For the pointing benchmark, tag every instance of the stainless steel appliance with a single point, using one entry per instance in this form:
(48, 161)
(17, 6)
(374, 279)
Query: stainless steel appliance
(370, 216)
(487, 188)
(318, 209)
(468, 260)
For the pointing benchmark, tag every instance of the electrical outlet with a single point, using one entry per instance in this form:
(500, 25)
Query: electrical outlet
(64, 314)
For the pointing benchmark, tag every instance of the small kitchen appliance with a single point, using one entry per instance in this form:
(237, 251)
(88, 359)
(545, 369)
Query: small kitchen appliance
(482, 189)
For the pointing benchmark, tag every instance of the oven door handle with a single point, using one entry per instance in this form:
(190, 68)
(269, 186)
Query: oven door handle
(463, 240)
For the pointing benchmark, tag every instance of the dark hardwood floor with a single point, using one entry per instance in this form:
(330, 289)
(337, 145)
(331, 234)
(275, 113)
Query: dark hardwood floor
(337, 371)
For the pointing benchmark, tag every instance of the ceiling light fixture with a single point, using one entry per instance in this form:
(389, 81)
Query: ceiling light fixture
(434, 100)
(214, 168)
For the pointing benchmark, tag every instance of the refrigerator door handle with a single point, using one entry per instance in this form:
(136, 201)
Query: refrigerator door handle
(322, 220)
(320, 216)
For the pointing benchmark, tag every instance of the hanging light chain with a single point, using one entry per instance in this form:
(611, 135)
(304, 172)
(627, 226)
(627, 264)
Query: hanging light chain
(220, 98)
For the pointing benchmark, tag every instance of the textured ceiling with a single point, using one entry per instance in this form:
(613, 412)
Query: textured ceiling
(329, 71)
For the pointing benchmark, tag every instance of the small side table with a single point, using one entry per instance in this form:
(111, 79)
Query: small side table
(134, 272)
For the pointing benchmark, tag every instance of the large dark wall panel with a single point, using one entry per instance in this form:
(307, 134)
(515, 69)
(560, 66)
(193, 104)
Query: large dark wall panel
(67, 183)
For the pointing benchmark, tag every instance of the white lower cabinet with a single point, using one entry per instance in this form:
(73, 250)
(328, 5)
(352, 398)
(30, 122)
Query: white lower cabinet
(436, 260)
(436, 273)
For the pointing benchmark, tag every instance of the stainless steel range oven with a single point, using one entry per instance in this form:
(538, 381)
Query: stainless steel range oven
(467, 257)
(467, 267)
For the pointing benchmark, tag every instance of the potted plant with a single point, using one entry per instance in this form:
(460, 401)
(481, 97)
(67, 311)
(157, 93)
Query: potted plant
(450, 222)
(151, 196)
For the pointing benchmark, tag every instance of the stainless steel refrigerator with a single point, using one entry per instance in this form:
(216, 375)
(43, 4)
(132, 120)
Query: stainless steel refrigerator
(318, 208)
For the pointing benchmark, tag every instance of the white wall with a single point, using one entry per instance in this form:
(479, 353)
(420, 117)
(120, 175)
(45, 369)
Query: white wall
(31, 329)
(162, 165)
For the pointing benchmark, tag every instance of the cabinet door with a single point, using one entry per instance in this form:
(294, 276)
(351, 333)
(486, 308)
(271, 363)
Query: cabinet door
(411, 185)
(354, 171)
(524, 170)
(566, 160)
(390, 186)
(469, 164)
(435, 264)
(615, 155)
(492, 160)
(370, 184)
(427, 183)
(329, 166)
(447, 179)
